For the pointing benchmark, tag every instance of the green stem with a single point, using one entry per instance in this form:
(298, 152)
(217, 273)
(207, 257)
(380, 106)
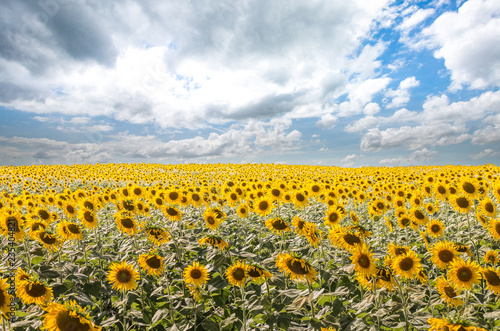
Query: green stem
(242, 289)
(27, 254)
(270, 305)
(124, 310)
(403, 301)
(311, 300)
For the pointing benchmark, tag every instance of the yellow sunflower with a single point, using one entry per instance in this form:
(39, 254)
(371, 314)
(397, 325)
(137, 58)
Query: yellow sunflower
(123, 276)
(418, 216)
(296, 267)
(488, 207)
(172, 213)
(258, 274)
(263, 206)
(443, 253)
(211, 219)
(312, 234)
(242, 210)
(152, 264)
(88, 218)
(461, 203)
(69, 316)
(492, 278)
(214, 241)
(5, 299)
(298, 225)
(333, 216)
(34, 291)
(448, 293)
(491, 256)
(126, 223)
(407, 265)
(69, 230)
(300, 200)
(157, 235)
(48, 240)
(277, 225)
(196, 274)
(12, 223)
(469, 186)
(237, 273)
(404, 220)
(463, 274)
(494, 229)
(435, 228)
(362, 258)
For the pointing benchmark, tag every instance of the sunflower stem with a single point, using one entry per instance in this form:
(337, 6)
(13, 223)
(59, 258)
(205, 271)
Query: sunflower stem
(311, 299)
(403, 301)
(124, 310)
(27, 254)
(242, 289)
(270, 305)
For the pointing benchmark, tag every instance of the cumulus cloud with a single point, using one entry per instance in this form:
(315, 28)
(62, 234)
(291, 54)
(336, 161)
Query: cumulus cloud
(184, 64)
(326, 121)
(484, 154)
(417, 157)
(401, 96)
(468, 42)
(348, 161)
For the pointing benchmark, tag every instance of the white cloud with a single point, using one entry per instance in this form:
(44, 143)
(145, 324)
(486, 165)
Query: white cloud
(468, 42)
(371, 109)
(361, 93)
(417, 157)
(484, 154)
(348, 161)
(401, 96)
(326, 121)
(411, 22)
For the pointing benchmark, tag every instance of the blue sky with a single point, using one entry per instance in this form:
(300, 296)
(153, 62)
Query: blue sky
(344, 83)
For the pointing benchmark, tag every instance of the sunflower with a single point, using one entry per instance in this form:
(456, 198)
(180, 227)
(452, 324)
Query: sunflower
(443, 253)
(463, 274)
(344, 238)
(397, 250)
(126, 223)
(211, 219)
(469, 186)
(88, 218)
(196, 274)
(42, 214)
(494, 229)
(488, 207)
(237, 273)
(34, 225)
(277, 225)
(214, 241)
(70, 209)
(48, 240)
(299, 226)
(34, 291)
(435, 228)
(258, 274)
(461, 203)
(172, 213)
(69, 230)
(312, 234)
(448, 292)
(242, 210)
(123, 276)
(195, 198)
(354, 217)
(300, 200)
(263, 206)
(152, 263)
(157, 235)
(296, 267)
(492, 278)
(5, 299)
(69, 316)
(333, 216)
(418, 217)
(12, 223)
(20, 276)
(407, 265)
(491, 256)
(362, 258)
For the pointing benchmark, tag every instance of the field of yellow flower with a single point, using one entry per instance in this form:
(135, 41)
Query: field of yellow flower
(249, 247)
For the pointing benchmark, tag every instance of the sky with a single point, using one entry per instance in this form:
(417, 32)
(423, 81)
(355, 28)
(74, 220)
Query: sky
(337, 83)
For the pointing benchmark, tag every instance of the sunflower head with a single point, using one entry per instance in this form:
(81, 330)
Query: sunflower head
(448, 293)
(492, 278)
(237, 273)
(152, 264)
(296, 267)
(277, 225)
(34, 291)
(258, 274)
(443, 253)
(362, 258)
(214, 241)
(196, 274)
(69, 316)
(123, 276)
(463, 274)
(407, 265)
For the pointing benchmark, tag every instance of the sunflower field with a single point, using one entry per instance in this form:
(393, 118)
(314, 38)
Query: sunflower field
(249, 247)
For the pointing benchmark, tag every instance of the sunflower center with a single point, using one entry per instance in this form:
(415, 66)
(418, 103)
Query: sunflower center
(275, 192)
(364, 261)
(43, 214)
(384, 275)
(73, 228)
(296, 267)
(435, 228)
(462, 202)
(210, 220)
(406, 264)
(263, 205)
(441, 190)
(300, 224)
(315, 188)
(300, 197)
(333, 217)
(418, 214)
(124, 276)
(497, 228)
(37, 226)
(492, 278)
(127, 223)
(88, 217)
(35, 290)
(137, 191)
(351, 239)
(469, 188)
(153, 262)
(464, 274)
(254, 272)
(278, 224)
(159, 201)
(173, 195)
(450, 291)
(238, 274)
(65, 322)
(70, 209)
(48, 239)
(489, 207)
(195, 197)
(445, 255)
(380, 205)
(405, 221)
(195, 274)
(88, 205)
(171, 211)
